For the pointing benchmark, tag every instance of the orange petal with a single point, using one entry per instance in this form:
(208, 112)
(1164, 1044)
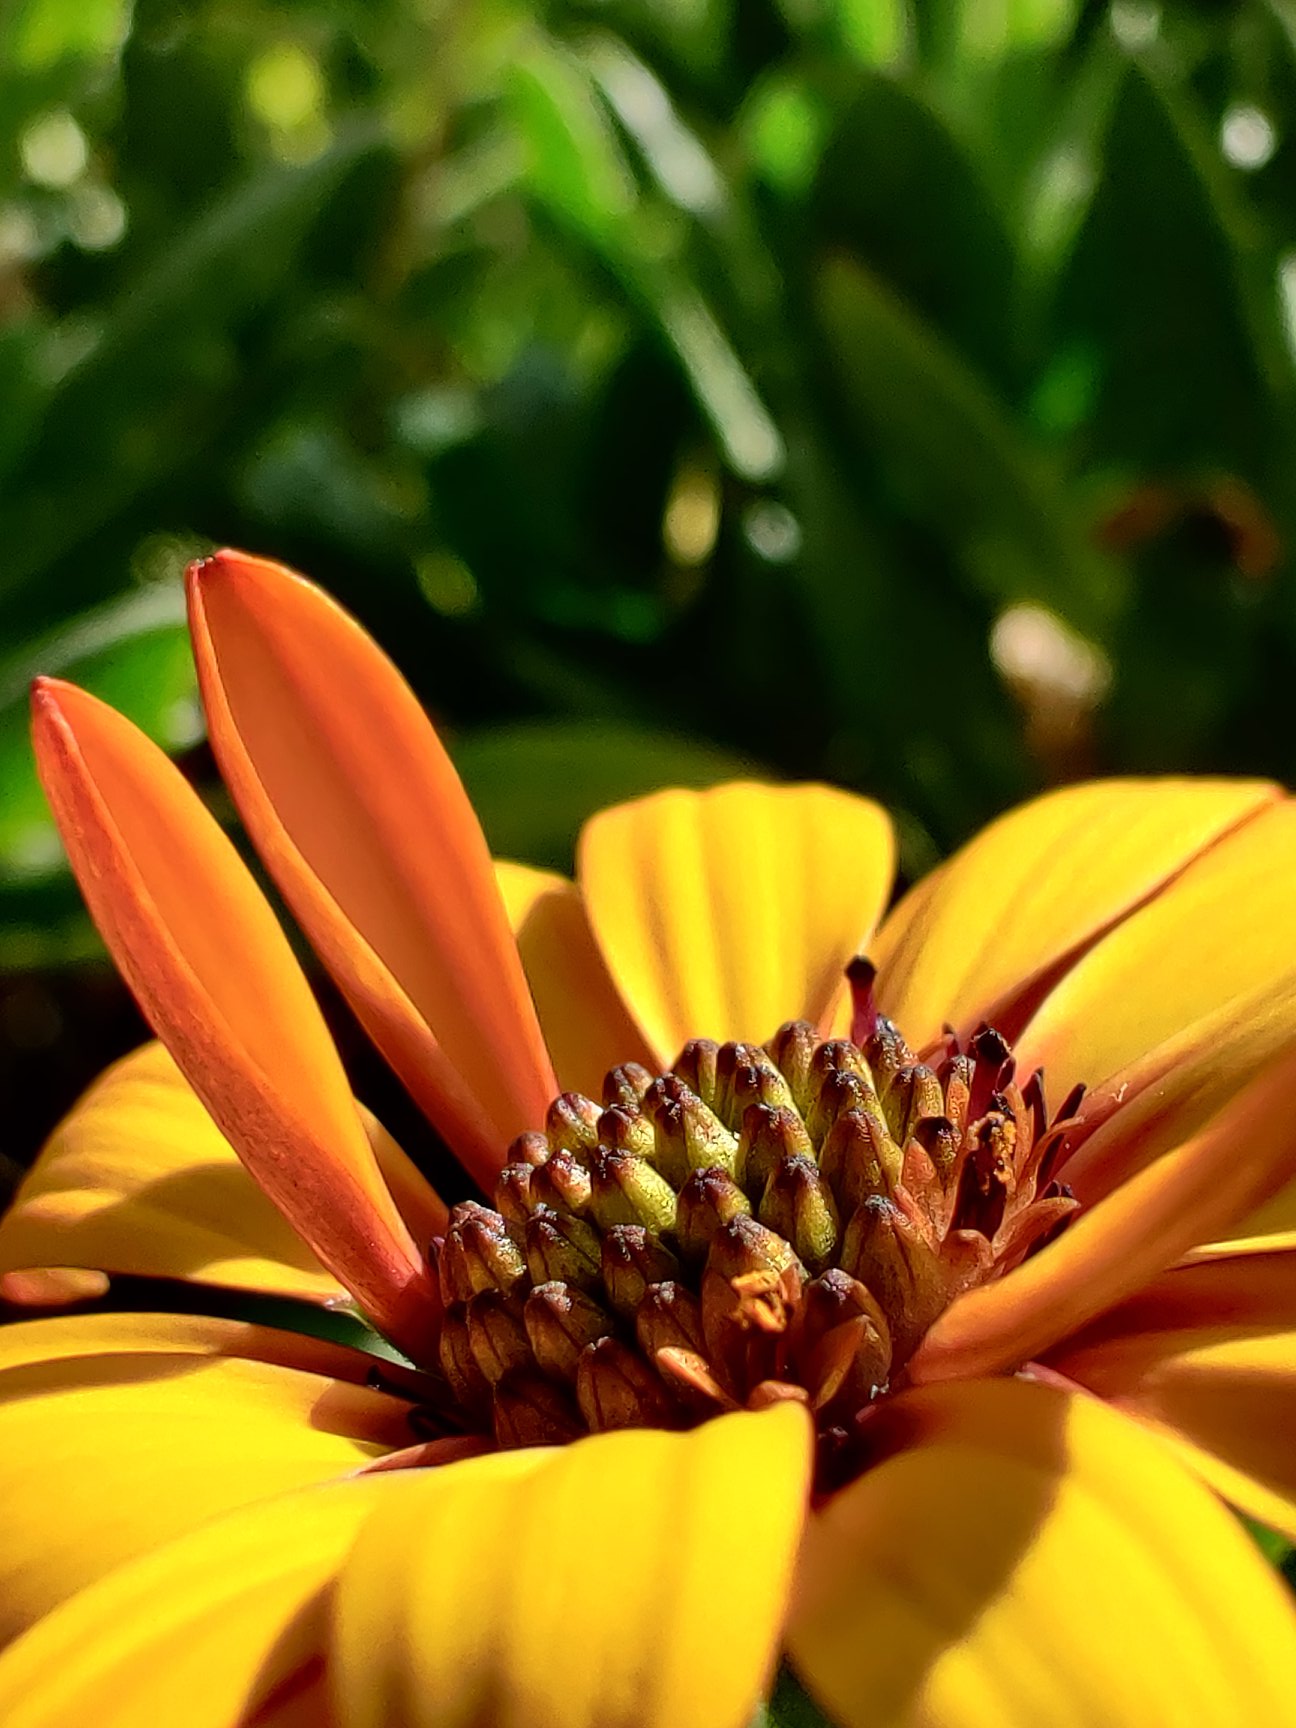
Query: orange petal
(1024, 1557)
(586, 1026)
(216, 978)
(1187, 1196)
(362, 821)
(1036, 888)
(1223, 932)
(722, 914)
(1207, 1354)
(120, 1431)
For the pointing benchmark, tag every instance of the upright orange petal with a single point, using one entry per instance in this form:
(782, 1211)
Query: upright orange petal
(1187, 1196)
(722, 914)
(216, 979)
(363, 822)
(1034, 889)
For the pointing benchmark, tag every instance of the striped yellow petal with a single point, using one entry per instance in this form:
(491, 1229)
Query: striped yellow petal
(221, 1628)
(1223, 933)
(633, 1580)
(120, 1431)
(1028, 1557)
(585, 1023)
(1031, 891)
(138, 1178)
(722, 914)
(214, 974)
(1207, 1353)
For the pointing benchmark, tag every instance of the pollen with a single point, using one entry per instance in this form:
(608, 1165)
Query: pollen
(761, 1222)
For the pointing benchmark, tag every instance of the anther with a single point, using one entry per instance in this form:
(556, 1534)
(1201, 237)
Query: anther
(707, 1201)
(559, 1323)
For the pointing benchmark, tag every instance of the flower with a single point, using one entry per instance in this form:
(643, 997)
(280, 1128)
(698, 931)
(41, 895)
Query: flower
(980, 1369)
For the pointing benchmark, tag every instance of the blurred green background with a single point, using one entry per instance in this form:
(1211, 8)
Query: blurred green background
(898, 391)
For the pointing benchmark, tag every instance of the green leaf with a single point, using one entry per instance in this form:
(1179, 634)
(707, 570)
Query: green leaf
(38, 34)
(533, 785)
(165, 372)
(898, 193)
(1166, 296)
(134, 654)
(952, 445)
(575, 165)
(789, 1705)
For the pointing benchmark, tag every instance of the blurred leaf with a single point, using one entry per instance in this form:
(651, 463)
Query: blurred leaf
(533, 785)
(132, 653)
(897, 192)
(1158, 296)
(674, 155)
(40, 33)
(121, 419)
(580, 176)
(875, 31)
(789, 1705)
(574, 163)
(951, 442)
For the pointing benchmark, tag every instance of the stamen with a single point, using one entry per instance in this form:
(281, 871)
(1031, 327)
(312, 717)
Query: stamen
(757, 1224)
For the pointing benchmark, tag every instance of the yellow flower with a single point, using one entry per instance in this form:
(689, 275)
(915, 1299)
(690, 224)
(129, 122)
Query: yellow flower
(884, 1366)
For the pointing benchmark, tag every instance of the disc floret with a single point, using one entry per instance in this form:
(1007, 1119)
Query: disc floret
(760, 1222)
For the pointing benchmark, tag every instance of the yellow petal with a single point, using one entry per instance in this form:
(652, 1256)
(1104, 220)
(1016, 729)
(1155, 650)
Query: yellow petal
(363, 822)
(1163, 1096)
(222, 1627)
(1208, 1355)
(1187, 1196)
(1037, 886)
(215, 976)
(120, 1431)
(137, 1178)
(1223, 932)
(633, 1580)
(722, 914)
(585, 1023)
(1028, 1557)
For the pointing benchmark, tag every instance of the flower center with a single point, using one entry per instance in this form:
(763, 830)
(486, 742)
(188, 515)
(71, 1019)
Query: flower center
(758, 1223)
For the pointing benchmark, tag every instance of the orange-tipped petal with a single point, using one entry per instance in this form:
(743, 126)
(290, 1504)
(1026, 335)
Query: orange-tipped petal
(216, 979)
(1187, 1196)
(586, 1026)
(1165, 1094)
(1033, 890)
(120, 1431)
(722, 914)
(1020, 1558)
(1207, 1354)
(1224, 931)
(363, 822)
